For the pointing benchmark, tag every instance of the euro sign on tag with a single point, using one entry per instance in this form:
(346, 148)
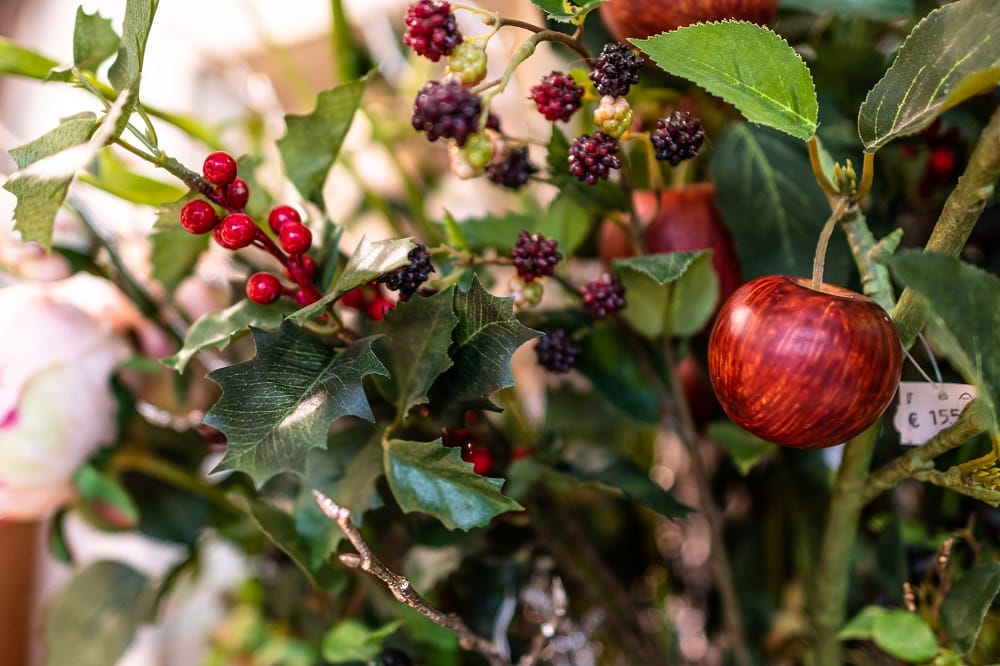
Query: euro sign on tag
(926, 409)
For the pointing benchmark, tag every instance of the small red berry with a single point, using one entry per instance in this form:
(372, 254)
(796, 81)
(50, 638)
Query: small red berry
(280, 215)
(378, 307)
(295, 238)
(219, 168)
(482, 461)
(355, 298)
(942, 161)
(198, 217)
(263, 288)
(237, 193)
(235, 231)
(307, 268)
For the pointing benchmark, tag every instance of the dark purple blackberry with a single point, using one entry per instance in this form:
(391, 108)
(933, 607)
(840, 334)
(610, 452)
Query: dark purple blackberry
(677, 137)
(615, 70)
(431, 29)
(591, 158)
(407, 279)
(603, 296)
(557, 351)
(514, 171)
(534, 256)
(448, 110)
(557, 96)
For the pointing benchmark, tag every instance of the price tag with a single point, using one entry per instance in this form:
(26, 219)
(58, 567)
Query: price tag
(926, 409)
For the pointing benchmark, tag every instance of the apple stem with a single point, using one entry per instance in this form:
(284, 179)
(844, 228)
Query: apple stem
(817, 168)
(819, 261)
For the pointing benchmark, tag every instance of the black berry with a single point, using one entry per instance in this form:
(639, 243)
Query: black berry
(534, 256)
(591, 158)
(219, 168)
(677, 137)
(603, 296)
(514, 171)
(198, 217)
(431, 29)
(557, 96)
(446, 109)
(263, 288)
(615, 70)
(557, 351)
(407, 279)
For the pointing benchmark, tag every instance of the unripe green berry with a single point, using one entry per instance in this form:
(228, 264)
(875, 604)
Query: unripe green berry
(613, 116)
(467, 63)
(469, 160)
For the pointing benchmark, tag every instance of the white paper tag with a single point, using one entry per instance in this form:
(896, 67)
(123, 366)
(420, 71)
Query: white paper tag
(926, 409)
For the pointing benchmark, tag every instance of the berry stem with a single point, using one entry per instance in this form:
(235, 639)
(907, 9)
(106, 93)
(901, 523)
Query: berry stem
(551, 36)
(817, 168)
(819, 260)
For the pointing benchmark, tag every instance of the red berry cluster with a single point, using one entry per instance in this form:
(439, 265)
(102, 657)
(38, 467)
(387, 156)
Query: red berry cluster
(431, 29)
(603, 296)
(237, 230)
(534, 256)
(369, 299)
(591, 157)
(557, 96)
(677, 137)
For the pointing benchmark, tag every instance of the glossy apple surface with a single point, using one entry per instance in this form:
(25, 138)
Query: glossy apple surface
(642, 18)
(800, 367)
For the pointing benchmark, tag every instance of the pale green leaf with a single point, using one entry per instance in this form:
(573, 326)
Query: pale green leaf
(217, 329)
(175, 250)
(652, 283)
(862, 625)
(352, 641)
(21, 61)
(876, 10)
(745, 64)
(126, 71)
(745, 450)
(967, 603)
(94, 40)
(952, 54)
(112, 175)
(70, 132)
(904, 635)
(38, 202)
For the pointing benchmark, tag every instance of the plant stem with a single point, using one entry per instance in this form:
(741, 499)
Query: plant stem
(159, 469)
(875, 280)
(819, 259)
(817, 168)
(551, 36)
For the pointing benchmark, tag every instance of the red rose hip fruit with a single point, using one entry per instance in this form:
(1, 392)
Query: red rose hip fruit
(801, 367)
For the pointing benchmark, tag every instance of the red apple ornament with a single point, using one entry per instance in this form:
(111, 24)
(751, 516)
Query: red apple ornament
(801, 367)
(642, 18)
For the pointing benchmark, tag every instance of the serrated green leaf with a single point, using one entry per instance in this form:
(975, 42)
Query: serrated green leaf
(279, 527)
(111, 175)
(94, 40)
(278, 405)
(965, 315)
(745, 450)
(370, 260)
(562, 11)
(486, 336)
(952, 54)
(70, 132)
(217, 329)
(93, 619)
(21, 61)
(617, 372)
(175, 250)
(625, 477)
(432, 478)
(904, 635)
(771, 203)
(876, 10)
(660, 268)
(566, 221)
(418, 337)
(126, 71)
(862, 625)
(352, 641)
(38, 202)
(967, 603)
(745, 64)
(312, 142)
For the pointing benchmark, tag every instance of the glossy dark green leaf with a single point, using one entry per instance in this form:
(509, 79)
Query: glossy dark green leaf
(617, 371)
(175, 250)
(352, 641)
(418, 337)
(951, 55)
(904, 635)
(278, 405)
(70, 132)
(279, 527)
(38, 202)
(21, 61)
(967, 603)
(312, 142)
(432, 478)
(745, 450)
(486, 336)
(965, 315)
(624, 476)
(745, 64)
(771, 203)
(94, 40)
(126, 71)
(217, 329)
(93, 619)
(876, 10)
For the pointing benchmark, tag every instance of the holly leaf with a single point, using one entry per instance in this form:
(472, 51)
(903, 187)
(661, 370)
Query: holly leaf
(951, 55)
(771, 203)
(486, 336)
(352, 641)
(94, 40)
(876, 10)
(433, 478)
(658, 300)
(416, 348)
(93, 619)
(21, 61)
(277, 406)
(126, 70)
(217, 329)
(312, 142)
(964, 318)
(745, 64)
(175, 250)
(561, 11)
(370, 260)
(38, 202)
(70, 132)
(967, 603)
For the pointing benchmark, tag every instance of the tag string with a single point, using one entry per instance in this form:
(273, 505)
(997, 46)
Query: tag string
(930, 355)
(936, 384)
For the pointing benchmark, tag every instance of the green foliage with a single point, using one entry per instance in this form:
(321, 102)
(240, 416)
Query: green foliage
(745, 450)
(218, 328)
(951, 55)
(776, 91)
(38, 202)
(900, 633)
(433, 478)
(70, 132)
(565, 12)
(106, 499)
(619, 372)
(618, 475)
(126, 71)
(876, 10)
(278, 405)
(175, 251)
(673, 292)
(22, 61)
(110, 174)
(279, 527)
(968, 601)
(94, 40)
(352, 640)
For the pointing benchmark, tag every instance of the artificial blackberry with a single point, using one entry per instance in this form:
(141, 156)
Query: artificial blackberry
(534, 256)
(603, 296)
(591, 158)
(615, 70)
(677, 137)
(557, 351)
(407, 279)
(431, 29)
(514, 171)
(613, 116)
(446, 109)
(467, 63)
(557, 96)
